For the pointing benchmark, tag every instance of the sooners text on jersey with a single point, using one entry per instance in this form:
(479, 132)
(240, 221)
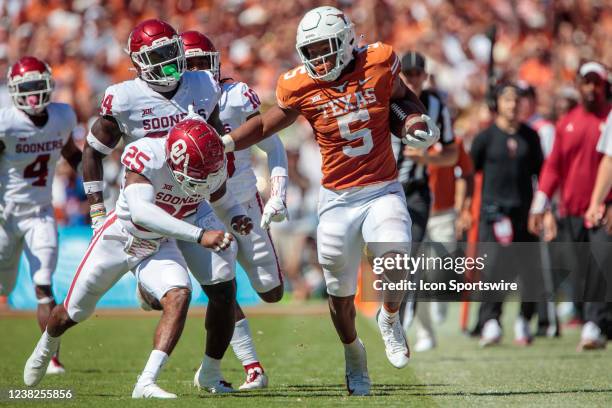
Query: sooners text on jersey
(27, 164)
(142, 112)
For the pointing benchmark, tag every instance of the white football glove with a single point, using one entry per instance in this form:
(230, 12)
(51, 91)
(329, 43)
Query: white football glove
(192, 114)
(421, 139)
(274, 210)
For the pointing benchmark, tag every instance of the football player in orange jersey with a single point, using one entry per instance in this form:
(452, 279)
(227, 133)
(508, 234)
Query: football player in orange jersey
(345, 93)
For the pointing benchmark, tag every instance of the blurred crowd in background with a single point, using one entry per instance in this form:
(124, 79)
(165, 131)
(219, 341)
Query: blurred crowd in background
(539, 42)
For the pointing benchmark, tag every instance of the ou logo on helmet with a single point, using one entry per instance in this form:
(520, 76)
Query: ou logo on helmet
(178, 153)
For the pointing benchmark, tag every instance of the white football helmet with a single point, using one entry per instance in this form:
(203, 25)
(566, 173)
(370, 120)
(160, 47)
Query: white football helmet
(331, 24)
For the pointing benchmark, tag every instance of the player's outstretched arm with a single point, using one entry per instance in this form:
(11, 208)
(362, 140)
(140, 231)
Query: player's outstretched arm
(259, 127)
(275, 208)
(104, 136)
(72, 153)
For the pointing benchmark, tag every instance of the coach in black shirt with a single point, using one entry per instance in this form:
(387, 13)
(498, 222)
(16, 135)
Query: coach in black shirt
(510, 157)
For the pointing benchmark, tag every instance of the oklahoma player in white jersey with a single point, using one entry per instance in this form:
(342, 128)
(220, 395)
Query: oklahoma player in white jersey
(147, 107)
(345, 93)
(166, 179)
(256, 252)
(34, 133)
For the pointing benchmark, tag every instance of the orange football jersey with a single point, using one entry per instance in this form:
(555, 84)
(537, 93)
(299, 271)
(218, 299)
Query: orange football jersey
(349, 117)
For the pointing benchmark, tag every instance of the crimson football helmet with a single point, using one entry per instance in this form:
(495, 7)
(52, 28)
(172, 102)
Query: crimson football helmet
(200, 52)
(30, 85)
(157, 52)
(195, 155)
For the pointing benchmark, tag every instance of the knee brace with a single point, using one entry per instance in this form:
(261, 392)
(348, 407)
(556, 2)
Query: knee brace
(221, 294)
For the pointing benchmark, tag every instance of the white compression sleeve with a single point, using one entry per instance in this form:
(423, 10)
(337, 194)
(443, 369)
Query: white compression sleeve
(277, 156)
(140, 198)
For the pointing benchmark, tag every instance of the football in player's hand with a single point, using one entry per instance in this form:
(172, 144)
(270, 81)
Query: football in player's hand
(405, 117)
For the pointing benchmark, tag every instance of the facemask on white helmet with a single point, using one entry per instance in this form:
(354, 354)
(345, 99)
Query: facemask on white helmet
(326, 24)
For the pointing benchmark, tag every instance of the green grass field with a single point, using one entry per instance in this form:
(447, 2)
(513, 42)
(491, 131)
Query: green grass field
(305, 363)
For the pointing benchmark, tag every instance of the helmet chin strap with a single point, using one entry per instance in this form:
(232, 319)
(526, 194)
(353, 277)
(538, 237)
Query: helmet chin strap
(163, 88)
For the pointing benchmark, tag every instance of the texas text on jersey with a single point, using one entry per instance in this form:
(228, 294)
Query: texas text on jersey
(349, 116)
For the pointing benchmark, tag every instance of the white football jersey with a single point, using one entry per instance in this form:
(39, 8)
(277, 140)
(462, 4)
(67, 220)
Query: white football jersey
(142, 112)
(27, 164)
(147, 156)
(237, 103)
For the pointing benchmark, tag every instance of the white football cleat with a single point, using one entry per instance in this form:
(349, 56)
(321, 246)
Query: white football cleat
(36, 366)
(424, 344)
(522, 332)
(396, 345)
(491, 333)
(591, 338)
(357, 378)
(256, 379)
(151, 390)
(55, 367)
(211, 382)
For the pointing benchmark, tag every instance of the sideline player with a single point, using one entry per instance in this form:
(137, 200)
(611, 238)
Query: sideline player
(34, 133)
(345, 94)
(256, 252)
(166, 179)
(147, 107)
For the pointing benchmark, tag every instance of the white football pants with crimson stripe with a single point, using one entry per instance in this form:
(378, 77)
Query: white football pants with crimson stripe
(105, 262)
(256, 253)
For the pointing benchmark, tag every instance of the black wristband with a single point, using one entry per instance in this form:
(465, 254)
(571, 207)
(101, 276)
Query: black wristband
(201, 235)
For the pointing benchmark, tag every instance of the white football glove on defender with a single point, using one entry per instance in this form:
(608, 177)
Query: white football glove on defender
(192, 114)
(275, 209)
(421, 139)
